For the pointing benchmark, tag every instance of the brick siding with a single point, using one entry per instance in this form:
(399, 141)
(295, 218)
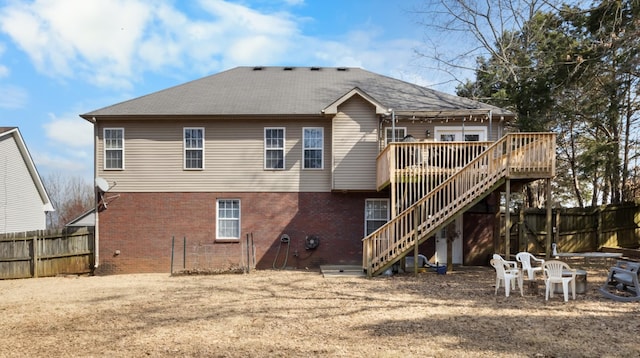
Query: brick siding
(136, 231)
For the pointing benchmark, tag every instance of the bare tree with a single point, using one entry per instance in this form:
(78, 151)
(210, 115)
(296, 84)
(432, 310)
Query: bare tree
(70, 196)
(459, 32)
(569, 68)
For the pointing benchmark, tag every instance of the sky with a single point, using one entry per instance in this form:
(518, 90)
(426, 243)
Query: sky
(63, 58)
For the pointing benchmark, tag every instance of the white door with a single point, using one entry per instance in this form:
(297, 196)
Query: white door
(441, 244)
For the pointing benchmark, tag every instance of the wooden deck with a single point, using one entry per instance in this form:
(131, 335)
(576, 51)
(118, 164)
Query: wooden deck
(433, 182)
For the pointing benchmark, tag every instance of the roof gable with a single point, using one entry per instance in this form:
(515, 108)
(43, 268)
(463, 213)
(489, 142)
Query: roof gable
(333, 108)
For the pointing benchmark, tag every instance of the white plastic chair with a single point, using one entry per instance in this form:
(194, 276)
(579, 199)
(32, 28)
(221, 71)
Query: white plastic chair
(506, 275)
(530, 264)
(559, 272)
(511, 265)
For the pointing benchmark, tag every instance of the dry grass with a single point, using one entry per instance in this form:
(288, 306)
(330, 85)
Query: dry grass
(298, 313)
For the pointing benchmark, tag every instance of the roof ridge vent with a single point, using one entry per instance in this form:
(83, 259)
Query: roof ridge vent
(288, 68)
(315, 68)
(342, 69)
(258, 68)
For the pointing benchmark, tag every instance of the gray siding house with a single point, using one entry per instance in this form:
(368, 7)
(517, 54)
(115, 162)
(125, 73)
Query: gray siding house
(271, 152)
(24, 202)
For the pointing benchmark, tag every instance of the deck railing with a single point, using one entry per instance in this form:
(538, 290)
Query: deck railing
(447, 189)
(414, 169)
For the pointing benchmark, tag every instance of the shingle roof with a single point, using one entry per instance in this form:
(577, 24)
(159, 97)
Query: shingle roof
(286, 91)
(6, 129)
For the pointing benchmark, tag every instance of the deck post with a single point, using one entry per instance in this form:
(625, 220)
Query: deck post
(416, 224)
(507, 220)
(392, 180)
(549, 217)
(523, 242)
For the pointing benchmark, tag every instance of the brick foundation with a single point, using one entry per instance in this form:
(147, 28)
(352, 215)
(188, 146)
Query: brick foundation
(136, 231)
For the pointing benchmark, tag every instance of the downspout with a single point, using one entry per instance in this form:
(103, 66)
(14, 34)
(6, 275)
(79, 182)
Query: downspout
(393, 125)
(96, 231)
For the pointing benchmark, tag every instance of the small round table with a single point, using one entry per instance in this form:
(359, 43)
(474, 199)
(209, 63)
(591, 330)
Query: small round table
(581, 282)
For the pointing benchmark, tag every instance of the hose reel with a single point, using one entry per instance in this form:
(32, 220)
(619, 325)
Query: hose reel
(311, 242)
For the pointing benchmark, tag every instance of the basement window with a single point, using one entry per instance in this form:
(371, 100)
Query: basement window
(228, 219)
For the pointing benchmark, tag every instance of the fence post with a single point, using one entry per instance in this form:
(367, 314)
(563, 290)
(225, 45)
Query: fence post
(599, 236)
(248, 255)
(549, 219)
(35, 256)
(173, 241)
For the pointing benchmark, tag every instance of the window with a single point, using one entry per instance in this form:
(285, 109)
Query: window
(401, 132)
(194, 148)
(458, 133)
(274, 148)
(472, 137)
(228, 224)
(312, 139)
(114, 148)
(376, 214)
(447, 137)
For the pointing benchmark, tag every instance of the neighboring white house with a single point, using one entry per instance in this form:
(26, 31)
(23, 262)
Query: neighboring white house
(88, 218)
(24, 202)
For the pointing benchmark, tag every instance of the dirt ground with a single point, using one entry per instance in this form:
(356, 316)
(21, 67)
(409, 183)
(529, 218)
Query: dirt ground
(303, 314)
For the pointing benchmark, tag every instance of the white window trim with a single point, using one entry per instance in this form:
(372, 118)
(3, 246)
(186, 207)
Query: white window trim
(104, 148)
(321, 148)
(365, 211)
(458, 130)
(284, 147)
(184, 148)
(387, 140)
(224, 238)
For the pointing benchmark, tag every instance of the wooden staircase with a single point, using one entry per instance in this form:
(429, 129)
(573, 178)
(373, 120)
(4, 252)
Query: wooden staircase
(526, 156)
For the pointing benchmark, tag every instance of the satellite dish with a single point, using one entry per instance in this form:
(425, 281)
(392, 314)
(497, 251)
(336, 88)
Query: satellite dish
(102, 184)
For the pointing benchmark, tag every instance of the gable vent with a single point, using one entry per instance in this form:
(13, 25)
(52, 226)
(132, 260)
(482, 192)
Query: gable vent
(258, 68)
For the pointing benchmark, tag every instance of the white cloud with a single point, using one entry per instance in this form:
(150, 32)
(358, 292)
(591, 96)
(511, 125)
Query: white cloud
(68, 148)
(12, 97)
(48, 162)
(65, 37)
(112, 42)
(70, 133)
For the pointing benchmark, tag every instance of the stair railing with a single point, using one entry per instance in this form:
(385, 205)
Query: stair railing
(523, 155)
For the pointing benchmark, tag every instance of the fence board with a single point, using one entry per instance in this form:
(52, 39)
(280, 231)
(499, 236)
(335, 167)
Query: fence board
(46, 253)
(583, 229)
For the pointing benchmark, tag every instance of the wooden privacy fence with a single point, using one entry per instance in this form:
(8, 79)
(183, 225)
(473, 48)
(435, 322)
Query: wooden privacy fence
(45, 253)
(579, 229)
